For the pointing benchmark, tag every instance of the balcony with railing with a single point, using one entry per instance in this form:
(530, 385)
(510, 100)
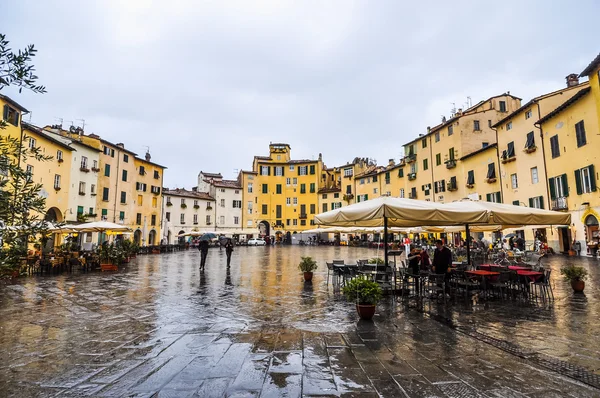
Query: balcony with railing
(452, 186)
(560, 204)
(450, 163)
(303, 216)
(410, 158)
(412, 176)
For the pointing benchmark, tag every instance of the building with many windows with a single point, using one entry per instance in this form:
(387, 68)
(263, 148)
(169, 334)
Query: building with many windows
(228, 200)
(186, 211)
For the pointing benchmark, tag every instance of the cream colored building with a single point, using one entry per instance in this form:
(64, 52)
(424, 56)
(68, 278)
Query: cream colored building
(186, 211)
(228, 200)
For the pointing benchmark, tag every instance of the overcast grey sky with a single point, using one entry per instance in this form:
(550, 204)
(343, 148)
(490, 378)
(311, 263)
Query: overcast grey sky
(207, 85)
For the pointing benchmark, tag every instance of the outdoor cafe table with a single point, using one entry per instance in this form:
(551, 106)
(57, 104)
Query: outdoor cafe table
(518, 268)
(533, 275)
(484, 275)
(489, 266)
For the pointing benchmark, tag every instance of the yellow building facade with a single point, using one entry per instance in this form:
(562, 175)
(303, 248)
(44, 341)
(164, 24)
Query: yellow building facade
(284, 191)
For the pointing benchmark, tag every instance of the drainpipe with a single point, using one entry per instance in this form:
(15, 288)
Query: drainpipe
(499, 163)
(431, 165)
(116, 186)
(544, 158)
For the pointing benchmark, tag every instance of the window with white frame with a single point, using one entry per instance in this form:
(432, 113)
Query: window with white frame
(249, 207)
(182, 201)
(59, 155)
(536, 202)
(249, 187)
(182, 218)
(294, 181)
(586, 180)
(513, 181)
(559, 187)
(84, 162)
(236, 220)
(56, 181)
(237, 204)
(375, 190)
(528, 114)
(95, 164)
(32, 143)
(288, 181)
(534, 175)
(195, 218)
(208, 219)
(302, 170)
(288, 201)
(264, 170)
(222, 190)
(222, 220)
(295, 201)
(196, 203)
(81, 188)
(29, 171)
(249, 223)
(93, 189)
(362, 181)
(292, 167)
(222, 204)
(279, 171)
(348, 172)
(508, 126)
(401, 192)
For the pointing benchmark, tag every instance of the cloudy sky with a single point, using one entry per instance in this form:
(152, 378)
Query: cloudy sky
(206, 85)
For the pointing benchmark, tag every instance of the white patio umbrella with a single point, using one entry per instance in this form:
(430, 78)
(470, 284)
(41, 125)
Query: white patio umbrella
(398, 212)
(100, 226)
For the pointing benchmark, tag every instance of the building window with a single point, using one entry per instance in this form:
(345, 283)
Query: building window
(105, 194)
(302, 170)
(313, 187)
(528, 114)
(471, 178)
(437, 136)
(425, 164)
(249, 187)
(279, 171)
(11, 115)
(450, 130)
(493, 197)
(508, 126)
(295, 201)
(558, 187)
(585, 180)
(265, 209)
(502, 106)
(313, 208)
(375, 190)
(168, 216)
(424, 143)
(195, 219)
(555, 149)
(288, 181)
(362, 181)
(182, 218)
(56, 181)
(138, 218)
(222, 190)
(236, 220)
(140, 200)
(485, 144)
(438, 159)
(295, 221)
(169, 203)
(302, 188)
(124, 175)
(292, 167)
(348, 172)
(278, 189)
(476, 126)
(142, 170)
(536, 202)
(153, 219)
(82, 188)
(294, 181)
(123, 197)
(141, 186)
(125, 158)
(513, 181)
(104, 214)
(580, 134)
(324, 196)
(221, 220)
(32, 143)
(324, 207)
(154, 203)
(237, 204)
(288, 201)
(59, 155)
(265, 188)
(534, 175)
(222, 203)
(530, 143)
(122, 216)
(93, 189)
(208, 222)
(249, 207)
(440, 186)
(401, 192)
(95, 165)
(107, 170)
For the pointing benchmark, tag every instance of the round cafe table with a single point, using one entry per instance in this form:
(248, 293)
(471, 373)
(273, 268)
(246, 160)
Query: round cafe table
(533, 275)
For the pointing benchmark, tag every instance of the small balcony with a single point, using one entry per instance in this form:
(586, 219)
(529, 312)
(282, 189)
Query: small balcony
(508, 157)
(82, 193)
(412, 176)
(560, 204)
(96, 169)
(450, 164)
(410, 158)
(84, 168)
(412, 195)
(530, 149)
(490, 180)
(57, 187)
(348, 197)
(451, 186)
(208, 208)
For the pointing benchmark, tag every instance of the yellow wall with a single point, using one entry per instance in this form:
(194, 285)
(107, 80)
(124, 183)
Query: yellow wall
(147, 203)
(479, 164)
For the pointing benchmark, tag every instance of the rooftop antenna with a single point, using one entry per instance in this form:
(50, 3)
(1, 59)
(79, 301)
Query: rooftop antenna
(469, 101)
(30, 113)
(82, 123)
(60, 119)
(453, 110)
(70, 121)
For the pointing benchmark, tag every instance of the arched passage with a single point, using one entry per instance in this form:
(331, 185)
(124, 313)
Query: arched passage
(137, 236)
(53, 215)
(152, 238)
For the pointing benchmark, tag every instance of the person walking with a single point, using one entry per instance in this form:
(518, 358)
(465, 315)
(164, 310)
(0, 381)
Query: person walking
(228, 251)
(203, 247)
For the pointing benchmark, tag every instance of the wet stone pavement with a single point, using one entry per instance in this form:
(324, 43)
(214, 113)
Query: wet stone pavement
(160, 328)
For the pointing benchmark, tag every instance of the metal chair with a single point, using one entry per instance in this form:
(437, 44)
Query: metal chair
(436, 284)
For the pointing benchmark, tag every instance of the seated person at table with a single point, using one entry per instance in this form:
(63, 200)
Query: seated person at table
(413, 261)
(442, 259)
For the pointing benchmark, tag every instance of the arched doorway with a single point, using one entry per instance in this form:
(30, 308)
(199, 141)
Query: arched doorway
(53, 215)
(181, 239)
(152, 238)
(137, 236)
(264, 228)
(592, 234)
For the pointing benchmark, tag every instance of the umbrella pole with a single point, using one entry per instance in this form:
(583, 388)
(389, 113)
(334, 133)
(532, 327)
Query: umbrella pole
(385, 240)
(468, 245)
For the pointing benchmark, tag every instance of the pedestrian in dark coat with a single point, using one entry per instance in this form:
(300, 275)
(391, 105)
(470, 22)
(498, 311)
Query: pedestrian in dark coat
(228, 251)
(203, 247)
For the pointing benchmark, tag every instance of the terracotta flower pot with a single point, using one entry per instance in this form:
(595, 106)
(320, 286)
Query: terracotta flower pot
(365, 311)
(578, 286)
(108, 267)
(308, 276)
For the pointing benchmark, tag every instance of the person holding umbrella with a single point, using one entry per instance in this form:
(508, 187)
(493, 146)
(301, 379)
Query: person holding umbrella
(203, 247)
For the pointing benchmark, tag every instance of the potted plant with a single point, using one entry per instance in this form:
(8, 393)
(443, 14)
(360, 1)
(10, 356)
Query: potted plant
(106, 258)
(376, 260)
(575, 275)
(307, 265)
(365, 293)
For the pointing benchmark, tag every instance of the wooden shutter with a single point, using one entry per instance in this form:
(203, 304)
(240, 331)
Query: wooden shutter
(269, 170)
(516, 203)
(366, 197)
(565, 185)
(592, 177)
(530, 202)
(282, 171)
(541, 202)
(312, 169)
(498, 197)
(552, 185)
(5, 114)
(578, 182)
(443, 185)
(435, 187)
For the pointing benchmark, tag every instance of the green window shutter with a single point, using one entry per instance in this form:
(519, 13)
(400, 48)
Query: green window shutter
(578, 182)
(498, 197)
(269, 171)
(552, 185)
(541, 202)
(515, 202)
(104, 212)
(488, 197)
(5, 115)
(366, 197)
(401, 173)
(592, 177)
(282, 171)
(107, 170)
(530, 202)
(565, 185)
(312, 169)
(79, 209)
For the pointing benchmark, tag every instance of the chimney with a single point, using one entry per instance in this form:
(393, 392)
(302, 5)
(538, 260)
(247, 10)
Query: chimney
(572, 80)
(148, 157)
(121, 145)
(428, 129)
(392, 162)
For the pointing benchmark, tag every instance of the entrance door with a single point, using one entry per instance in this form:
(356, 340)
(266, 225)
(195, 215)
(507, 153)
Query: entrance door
(565, 239)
